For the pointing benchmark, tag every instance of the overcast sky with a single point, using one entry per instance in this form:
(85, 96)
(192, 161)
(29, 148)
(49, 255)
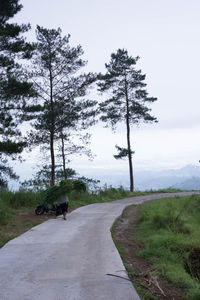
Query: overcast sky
(165, 34)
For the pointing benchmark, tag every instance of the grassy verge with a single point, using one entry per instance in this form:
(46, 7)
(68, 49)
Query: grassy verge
(167, 232)
(170, 231)
(122, 234)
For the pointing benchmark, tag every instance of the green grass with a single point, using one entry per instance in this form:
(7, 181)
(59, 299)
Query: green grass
(21, 220)
(5, 213)
(12, 205)
(11, 201)
(166, 190)
(170, 230)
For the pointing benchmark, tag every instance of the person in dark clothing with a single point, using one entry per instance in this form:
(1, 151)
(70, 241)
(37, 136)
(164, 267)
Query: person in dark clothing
(62, 206)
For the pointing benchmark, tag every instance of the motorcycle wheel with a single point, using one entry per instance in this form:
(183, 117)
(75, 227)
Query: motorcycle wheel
(39, 210)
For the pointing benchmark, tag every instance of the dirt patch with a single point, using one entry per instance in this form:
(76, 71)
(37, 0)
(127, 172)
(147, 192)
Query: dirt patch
(24, 219)
(140, 271)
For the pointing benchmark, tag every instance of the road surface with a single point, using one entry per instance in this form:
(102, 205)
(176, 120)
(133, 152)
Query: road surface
(69, 260)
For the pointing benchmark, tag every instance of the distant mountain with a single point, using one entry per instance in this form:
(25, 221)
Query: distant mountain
(192, 183)
(187, 178)
(187, 171)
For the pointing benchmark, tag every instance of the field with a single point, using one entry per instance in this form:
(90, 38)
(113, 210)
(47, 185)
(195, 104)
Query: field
(159, 244)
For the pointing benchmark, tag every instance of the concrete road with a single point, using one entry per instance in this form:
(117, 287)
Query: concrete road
(69, 260)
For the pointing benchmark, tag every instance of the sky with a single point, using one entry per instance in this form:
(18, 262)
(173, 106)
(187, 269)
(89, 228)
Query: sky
(165, 34)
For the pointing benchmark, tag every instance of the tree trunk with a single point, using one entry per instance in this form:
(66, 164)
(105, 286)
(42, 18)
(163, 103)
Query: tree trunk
(52, 159)
(128, 140)
(63, 156)
(52, 128)
(129, 156)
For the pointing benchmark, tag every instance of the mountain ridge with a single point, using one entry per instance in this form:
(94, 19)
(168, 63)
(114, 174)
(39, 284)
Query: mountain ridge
(150, 179)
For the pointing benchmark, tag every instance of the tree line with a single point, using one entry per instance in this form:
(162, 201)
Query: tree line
(42, 85)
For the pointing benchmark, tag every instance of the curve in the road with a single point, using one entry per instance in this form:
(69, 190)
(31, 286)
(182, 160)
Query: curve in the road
(69, 260)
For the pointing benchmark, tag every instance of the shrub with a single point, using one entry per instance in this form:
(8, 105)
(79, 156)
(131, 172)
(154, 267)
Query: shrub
(79, 186)
(51, 194)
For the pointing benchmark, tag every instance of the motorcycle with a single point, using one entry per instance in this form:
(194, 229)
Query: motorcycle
(41, 209)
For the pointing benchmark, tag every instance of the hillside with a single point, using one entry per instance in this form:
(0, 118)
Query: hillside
(192, 183)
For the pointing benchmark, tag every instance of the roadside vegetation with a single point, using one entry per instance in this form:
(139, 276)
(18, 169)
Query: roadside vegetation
(163, 239)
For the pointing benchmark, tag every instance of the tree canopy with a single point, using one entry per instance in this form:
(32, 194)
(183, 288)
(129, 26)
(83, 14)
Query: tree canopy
(14, 86)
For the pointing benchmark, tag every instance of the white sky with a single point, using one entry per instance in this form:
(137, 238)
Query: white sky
(166, 35)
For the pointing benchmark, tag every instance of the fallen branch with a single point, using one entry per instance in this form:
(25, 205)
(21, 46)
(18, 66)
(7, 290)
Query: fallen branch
(118, 276)
(153, 280)
(157, 284)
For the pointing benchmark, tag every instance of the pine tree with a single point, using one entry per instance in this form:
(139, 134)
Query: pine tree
(128, 101)
(14, 88)
(61, 93)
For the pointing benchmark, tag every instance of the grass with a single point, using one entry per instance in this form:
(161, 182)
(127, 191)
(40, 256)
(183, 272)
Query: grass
(22, 221)
(10, 202)
(170, 229)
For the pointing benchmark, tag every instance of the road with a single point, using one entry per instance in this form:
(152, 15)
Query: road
(69, 260)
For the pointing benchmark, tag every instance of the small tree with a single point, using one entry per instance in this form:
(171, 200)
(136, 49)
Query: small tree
(60, 92)
(128, 99)
(41, 179)
(14, 88)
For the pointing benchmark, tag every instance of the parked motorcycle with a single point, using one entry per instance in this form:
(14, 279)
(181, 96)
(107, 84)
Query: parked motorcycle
(41, 209)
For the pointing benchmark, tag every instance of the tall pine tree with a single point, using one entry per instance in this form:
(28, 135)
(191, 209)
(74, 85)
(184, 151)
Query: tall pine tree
(128, 101)
(14, 88)
(61, 92)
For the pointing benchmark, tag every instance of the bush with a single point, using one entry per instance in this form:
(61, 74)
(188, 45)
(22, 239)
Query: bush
(79, 186)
